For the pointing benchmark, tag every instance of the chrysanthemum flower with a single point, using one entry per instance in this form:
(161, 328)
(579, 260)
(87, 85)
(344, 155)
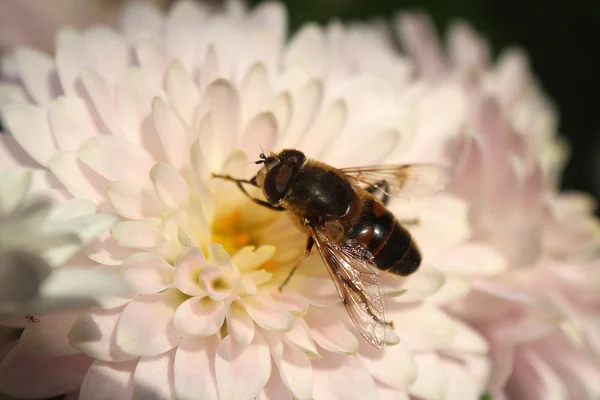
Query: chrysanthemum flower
(136, 119)
(541, 315)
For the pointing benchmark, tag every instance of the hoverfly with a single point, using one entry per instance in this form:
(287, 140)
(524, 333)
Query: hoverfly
(343, 212)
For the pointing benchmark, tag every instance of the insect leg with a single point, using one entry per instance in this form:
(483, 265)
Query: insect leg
(252, 182)
(309, 245)
(382, 196)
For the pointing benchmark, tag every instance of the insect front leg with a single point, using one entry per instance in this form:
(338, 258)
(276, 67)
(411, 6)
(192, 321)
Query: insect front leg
(240, 182)
(309, 245)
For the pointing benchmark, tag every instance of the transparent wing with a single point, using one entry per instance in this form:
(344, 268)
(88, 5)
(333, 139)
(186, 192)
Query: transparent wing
(358, 284)
(409, 180)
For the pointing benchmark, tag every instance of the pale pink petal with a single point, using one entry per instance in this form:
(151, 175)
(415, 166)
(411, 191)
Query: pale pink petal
(109, 380)
(171, 131)
(263, 130)
(472, 259)
(15, 184)
(102, 40)
(117, 159)
(305, 103)
(299, 338)
(140, 20)
(48, 337)
(153, 377)
(248, 366)
(423, 327)
(146, 326)
(37, 74)
(337, 376)
(147, 273)
(133, 97)
(222, 103)
(431, 381)
(95, 335)
(267, 314)
(275, 389)
(137, 234)
(182, 92)
(254, 90)
(460, 385)
(69, 59)
(12, 93)
(151, 58)
(133, 202)
(200, 316)
(329, 332)
(367, 149)
(388, 393)
(170, 186)
(209, 70)
(187, 272)
(29, 375)
(394, 367)
(418, 286)
(290, 301)
(71, 122)
(281, 106)
(29, 126)
(239, 324)
(467, 340)
(182, 31)
(326, 129)
(77, 177)
(102, 96)
(194, 369)
(307, 50)
(295, 369)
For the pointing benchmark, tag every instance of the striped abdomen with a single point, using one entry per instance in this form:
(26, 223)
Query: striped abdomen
(391, 245)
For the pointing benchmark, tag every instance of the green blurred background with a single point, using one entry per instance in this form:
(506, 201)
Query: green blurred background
(562, 38)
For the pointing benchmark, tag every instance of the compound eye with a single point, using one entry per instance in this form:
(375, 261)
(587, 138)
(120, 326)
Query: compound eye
(277, 182)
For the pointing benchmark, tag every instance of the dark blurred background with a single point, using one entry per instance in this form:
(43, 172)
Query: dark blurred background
(561, 36)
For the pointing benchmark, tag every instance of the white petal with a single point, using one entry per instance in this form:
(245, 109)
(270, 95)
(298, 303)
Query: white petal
(170, 186)
(187, 272)
(182, 92)
(395, 366)
(137, 234)
(77, 177)
(194, 369)
(330, 332)
(239, 324)
(38, 339)
(108, 380)
(299, 337)
(134, 94)
(133, 202)
(15, 184)
(94, 335)
(460, 384)
(254, 90)
(267, 314)
(12, 93)
(76, 287)
(325, 130)
(151, 58)
(467, 339)
(295, 370)
(100, 41)
(472, 259)
(29, 126)
(305, 103)
(337, 376)
(140, 20)
(200, 316)
(423, 327)
(101, 94)
(222, 102)
(153, 377)
(147, 273)
(37, 74)
(248, 366)
(263, 130)
(71, 122)
(117, 159)
(281, 106)
(306, 50)
(146, 326)
(431, 381)
(172, 133)
(418, 286)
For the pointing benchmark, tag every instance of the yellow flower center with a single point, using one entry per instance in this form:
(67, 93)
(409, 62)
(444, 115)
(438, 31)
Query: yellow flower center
(231, 232)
